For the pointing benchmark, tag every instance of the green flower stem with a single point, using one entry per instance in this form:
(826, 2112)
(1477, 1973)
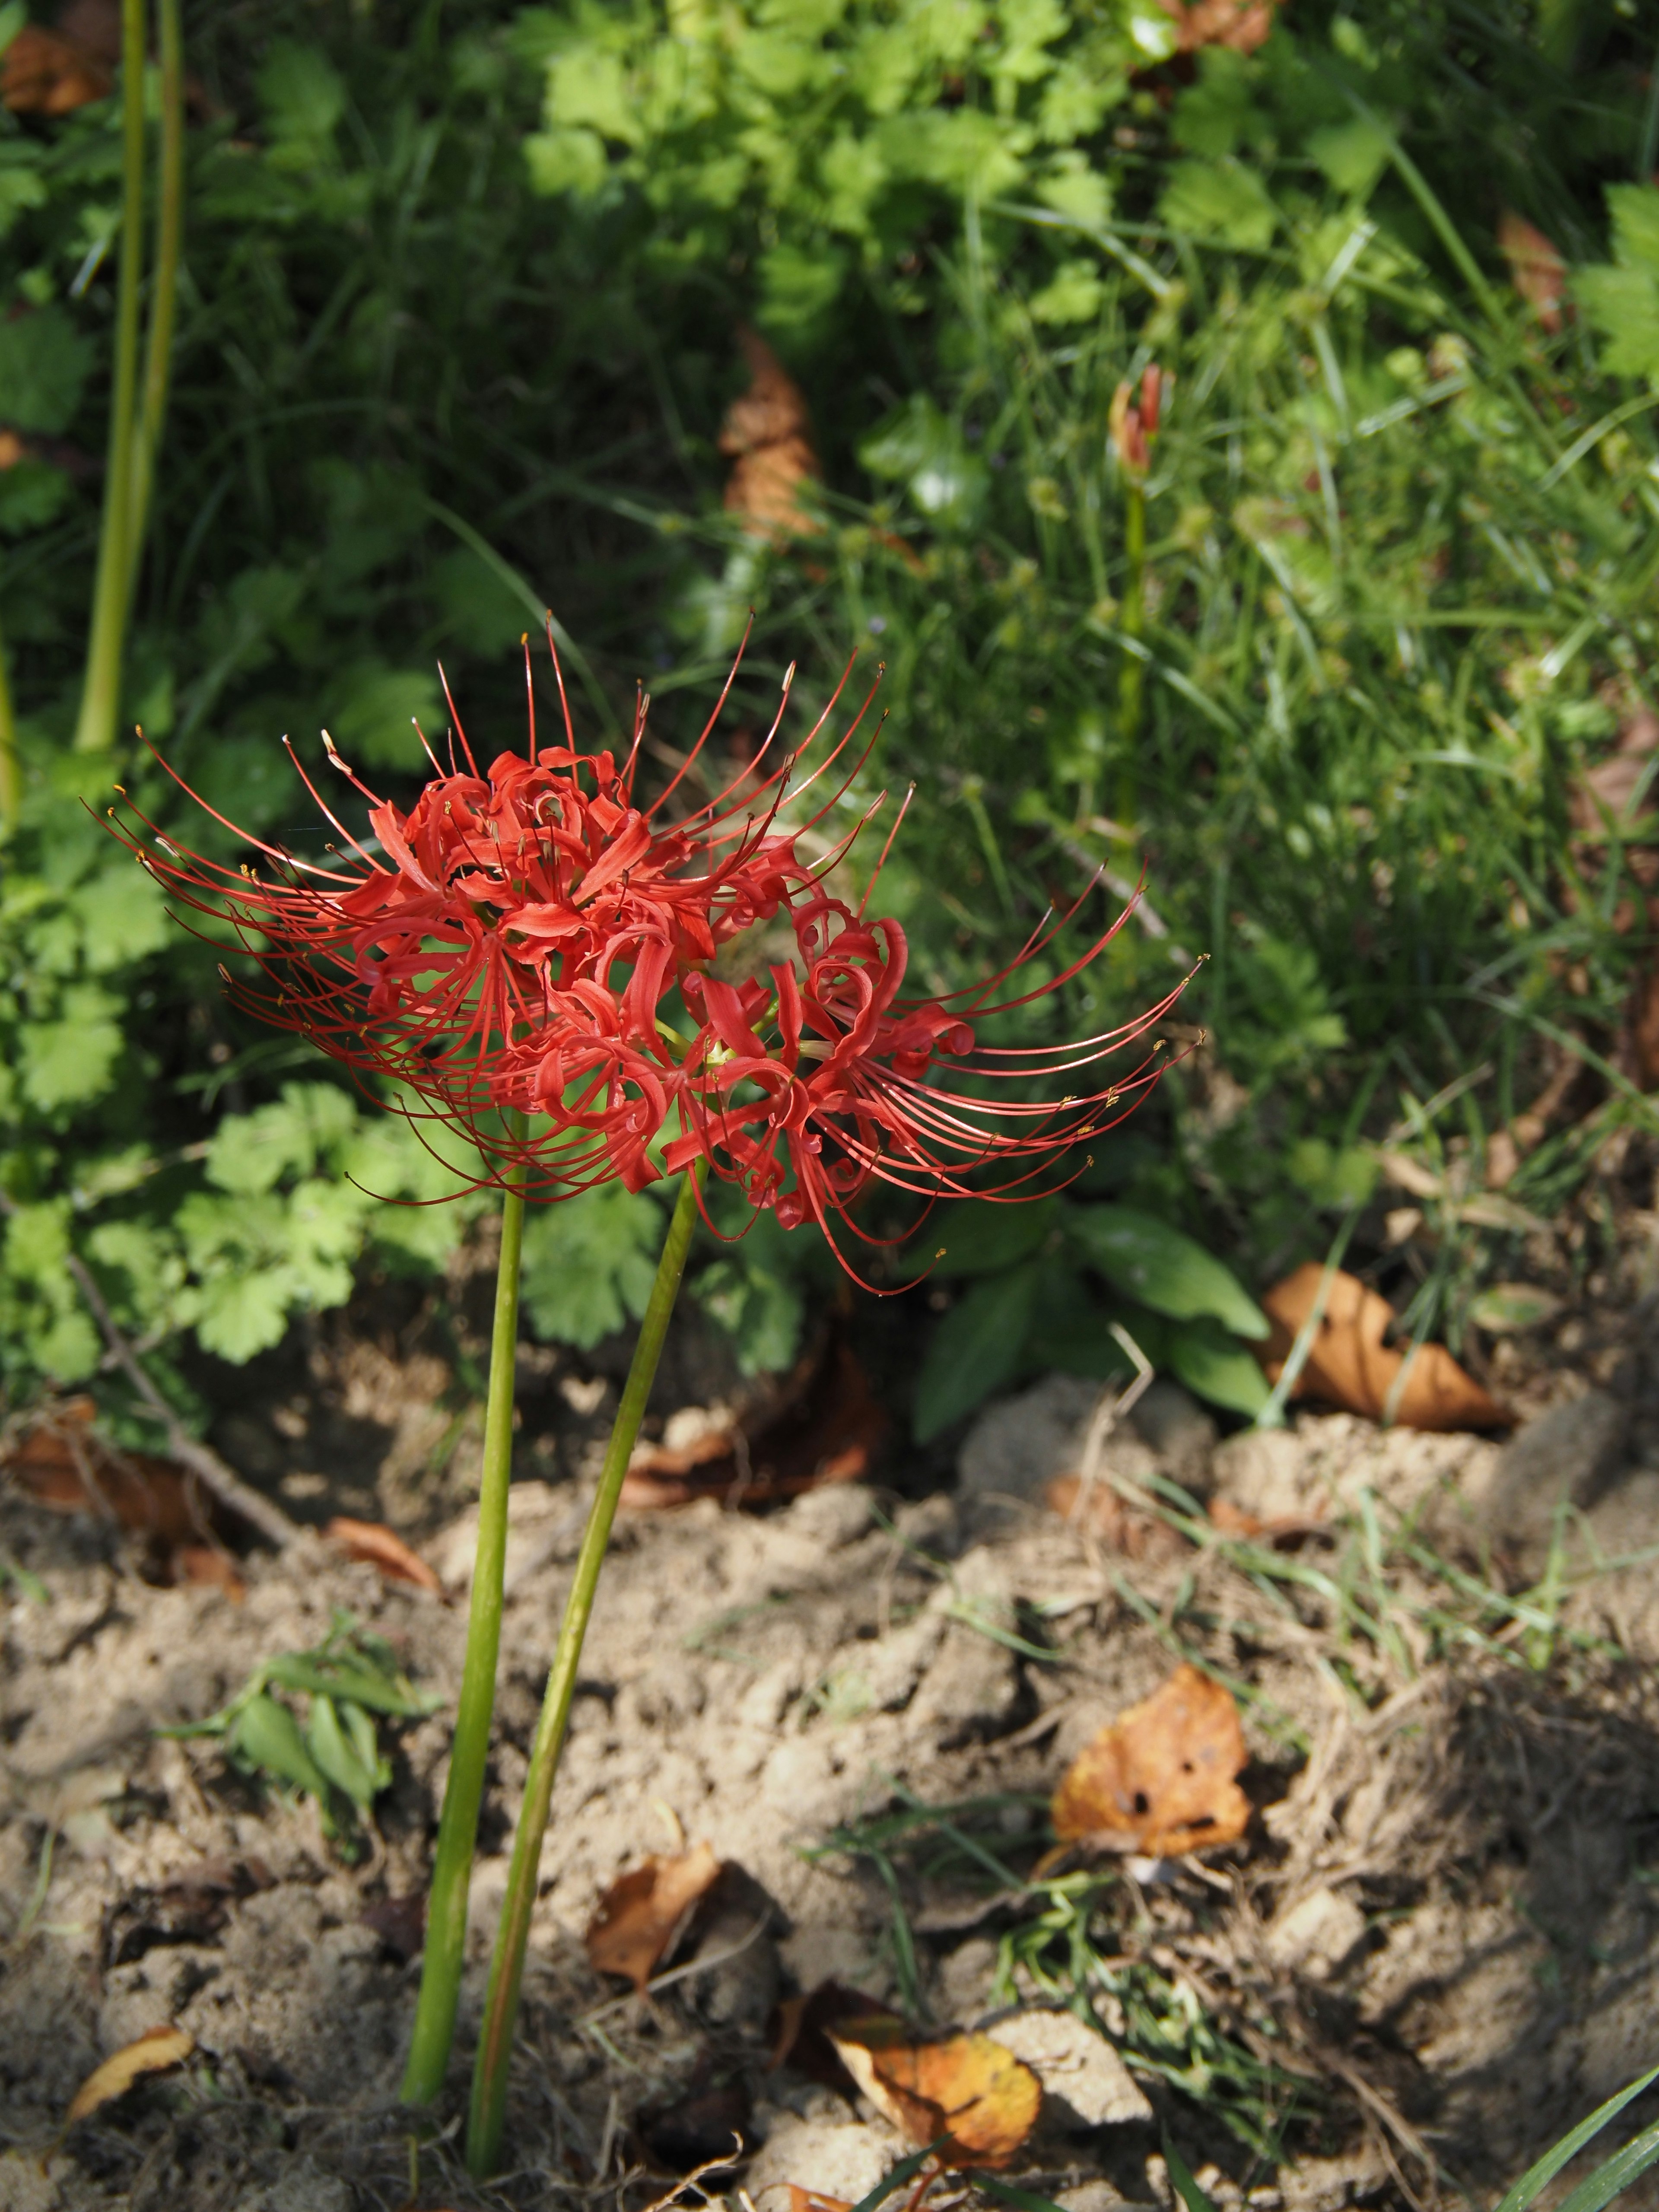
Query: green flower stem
(101, 698)
(11, 781)
(1132, 676)
(164, 295)
(484, 2135)
(458, 1826)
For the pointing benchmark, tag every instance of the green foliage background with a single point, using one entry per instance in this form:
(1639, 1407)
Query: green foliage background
(456, 336)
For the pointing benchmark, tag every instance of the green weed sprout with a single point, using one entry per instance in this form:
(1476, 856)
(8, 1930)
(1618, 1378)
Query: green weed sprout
(329, 1750)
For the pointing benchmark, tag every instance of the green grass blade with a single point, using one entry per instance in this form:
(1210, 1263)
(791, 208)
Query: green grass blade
(1518, 2198)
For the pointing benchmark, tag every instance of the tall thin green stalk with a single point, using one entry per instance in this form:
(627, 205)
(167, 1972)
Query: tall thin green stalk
(458, 1826)
(137, 409)
(1132, 676)
(100, 700)
(11, 781)
(164, 295)
(483, 2137)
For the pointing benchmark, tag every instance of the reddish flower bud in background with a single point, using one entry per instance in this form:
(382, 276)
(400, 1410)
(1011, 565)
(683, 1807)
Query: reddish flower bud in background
(533, 956)
(1133, 424)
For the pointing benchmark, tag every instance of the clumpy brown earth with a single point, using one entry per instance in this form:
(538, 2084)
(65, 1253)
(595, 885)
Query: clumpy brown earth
(1436, 1947)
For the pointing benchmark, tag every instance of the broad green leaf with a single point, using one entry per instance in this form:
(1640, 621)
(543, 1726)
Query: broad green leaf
(1163, 1268)
(1502, 1307)
(265, 1734)
(976, 1349)
(976, 1236)
(70, 1062)
(760, 1310)
(44, 364)
(302, 93)
(337, 1756)
(1623, 299)
(379, 1693)
(1221, 200)
(250, 1153)
(123, 917)
(589, 1263)
(1352, 155)
(375, 709)
(239, 1314)
(1216, 1366)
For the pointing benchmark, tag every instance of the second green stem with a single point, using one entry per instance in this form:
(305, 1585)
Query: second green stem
(483, 2137)
(1132, 623)
(458, 1827)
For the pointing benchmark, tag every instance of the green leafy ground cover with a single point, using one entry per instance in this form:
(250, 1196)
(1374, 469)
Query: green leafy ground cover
(456, 334)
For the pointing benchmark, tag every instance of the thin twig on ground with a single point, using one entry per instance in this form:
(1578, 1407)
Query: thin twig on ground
(261, 1513)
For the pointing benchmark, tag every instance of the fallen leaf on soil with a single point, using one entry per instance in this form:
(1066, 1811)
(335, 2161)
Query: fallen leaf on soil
(1161, 1779)
(210, 1565)
(1105, 1514)
(1536, 269)
(374, 1544)
(643, 1910)
(966, 2089)
(824, 1426)
(152, 2052)
(64, 1464)
(1234, 1521)
(1241, 24)
(44, 73)
(1351, 1366)
(769, 432)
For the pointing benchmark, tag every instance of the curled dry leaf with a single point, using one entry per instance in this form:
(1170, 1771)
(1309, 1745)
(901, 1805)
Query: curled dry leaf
(375, 1545)
(769, 434)
(1161, 1779)
(152, 2052)
(1351, 1366)
(644, 1911)
(966, 2094)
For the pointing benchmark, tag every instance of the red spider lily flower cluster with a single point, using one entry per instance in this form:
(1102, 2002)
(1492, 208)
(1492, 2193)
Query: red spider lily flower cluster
(552, 968)
(1132, 423)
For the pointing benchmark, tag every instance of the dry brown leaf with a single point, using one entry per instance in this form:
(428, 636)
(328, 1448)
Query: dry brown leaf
(43, 73)
(814, 2200)
(824, 1426)
(208, 1564)
(1161, 1779)
(152, 2052)
(769, 433)
(980, 2099)
(1244, 25)
(375, 1545)
(1351, 1366)
(1105, 1514)
(1536, 269)
(644, 1910)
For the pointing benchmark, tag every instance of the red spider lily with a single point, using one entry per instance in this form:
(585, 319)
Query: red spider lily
(512, 905)
(519, 964)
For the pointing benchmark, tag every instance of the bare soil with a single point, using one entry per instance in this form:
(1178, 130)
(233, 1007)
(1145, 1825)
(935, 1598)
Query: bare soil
(1436, 1947)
